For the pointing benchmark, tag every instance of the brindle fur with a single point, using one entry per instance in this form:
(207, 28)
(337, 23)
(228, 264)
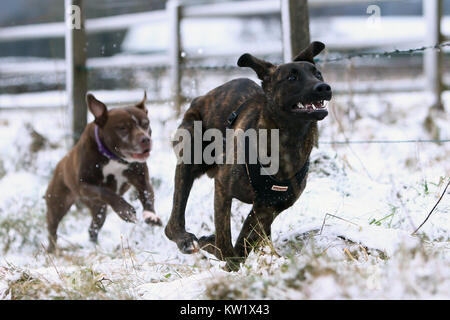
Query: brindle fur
(265, 109)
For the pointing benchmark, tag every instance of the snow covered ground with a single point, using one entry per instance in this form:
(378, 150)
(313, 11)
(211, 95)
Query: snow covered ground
(348, 236)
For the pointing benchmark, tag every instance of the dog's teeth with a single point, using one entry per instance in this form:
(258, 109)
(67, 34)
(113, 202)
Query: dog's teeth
(300, 106)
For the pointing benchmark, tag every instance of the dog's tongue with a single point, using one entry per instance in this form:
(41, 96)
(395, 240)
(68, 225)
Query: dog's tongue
(143, 155)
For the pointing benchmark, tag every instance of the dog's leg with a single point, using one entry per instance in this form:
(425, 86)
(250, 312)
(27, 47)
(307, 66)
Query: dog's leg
(117, 203)
(98, 212)
(141, 181)
(220, 244)
(256, 230)
(59, 199)
(175, 229)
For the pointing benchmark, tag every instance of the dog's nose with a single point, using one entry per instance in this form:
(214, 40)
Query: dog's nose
(145, 141)
(322, 88)
(322, 91)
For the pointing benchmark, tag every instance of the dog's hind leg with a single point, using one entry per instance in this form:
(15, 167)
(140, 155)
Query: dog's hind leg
(255, 231)
(59, 199)
(175, 229)
(98, 212)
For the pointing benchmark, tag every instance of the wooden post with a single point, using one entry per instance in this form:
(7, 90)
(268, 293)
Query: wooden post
(174, 14)
(433, 59)
(295, 26)
(76, 73)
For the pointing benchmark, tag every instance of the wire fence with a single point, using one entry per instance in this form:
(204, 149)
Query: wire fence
(386, 54)
(193, 66)
(385, 141)
(376, 55)
(373, 55)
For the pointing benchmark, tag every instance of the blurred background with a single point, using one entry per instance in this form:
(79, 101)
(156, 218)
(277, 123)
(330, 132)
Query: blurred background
(134, 48)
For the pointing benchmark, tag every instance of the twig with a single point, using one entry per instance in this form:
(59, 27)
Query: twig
(332, 215)
(349, 254)
(428, 216)
(52, 262)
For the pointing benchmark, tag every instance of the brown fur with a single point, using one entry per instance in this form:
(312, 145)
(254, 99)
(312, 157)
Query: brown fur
(79, 175)
(268, 107)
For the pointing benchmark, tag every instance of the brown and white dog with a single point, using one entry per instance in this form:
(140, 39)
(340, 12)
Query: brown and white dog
(110, 156)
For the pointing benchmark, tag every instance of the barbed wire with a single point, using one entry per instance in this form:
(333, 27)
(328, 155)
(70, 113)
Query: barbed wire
(194, 67)
(187, 65)
(438, 46)
(385, 141)
(376, 55)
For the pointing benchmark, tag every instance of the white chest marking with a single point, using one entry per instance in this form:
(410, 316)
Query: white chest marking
(116, 169)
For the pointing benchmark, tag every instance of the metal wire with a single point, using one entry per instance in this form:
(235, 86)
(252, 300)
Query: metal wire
(385, 53)
(385, 141)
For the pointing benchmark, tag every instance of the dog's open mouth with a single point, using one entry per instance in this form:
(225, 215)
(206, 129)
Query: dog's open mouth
(310, 107)
(141, 156)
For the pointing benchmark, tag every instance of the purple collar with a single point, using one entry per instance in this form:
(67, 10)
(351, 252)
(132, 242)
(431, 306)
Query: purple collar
(103, 150)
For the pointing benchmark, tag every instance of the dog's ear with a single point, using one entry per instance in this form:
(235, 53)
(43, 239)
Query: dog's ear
(141, 105)
(98, 109)
(261, 67)
(310, 52)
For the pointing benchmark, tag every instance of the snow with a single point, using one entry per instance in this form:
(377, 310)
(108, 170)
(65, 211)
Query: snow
(375, 196)
(185, 288)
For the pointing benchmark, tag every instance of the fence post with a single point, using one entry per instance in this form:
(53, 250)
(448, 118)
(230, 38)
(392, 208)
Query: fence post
(174, 15)
(76, 73)
(295, 26)
(433, 65)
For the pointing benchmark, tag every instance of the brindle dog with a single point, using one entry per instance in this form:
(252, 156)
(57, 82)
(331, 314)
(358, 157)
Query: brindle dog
(291, 100)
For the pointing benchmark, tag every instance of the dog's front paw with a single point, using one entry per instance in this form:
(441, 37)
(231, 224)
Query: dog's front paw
(125, 211)
(187, 243)
(151, 218)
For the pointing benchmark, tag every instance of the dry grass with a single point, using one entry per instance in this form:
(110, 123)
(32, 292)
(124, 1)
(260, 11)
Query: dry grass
(81, 284)
(341, 271)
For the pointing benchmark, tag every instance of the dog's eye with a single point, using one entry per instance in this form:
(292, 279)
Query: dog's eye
(318, 75)
(122, 128)
(292, 77)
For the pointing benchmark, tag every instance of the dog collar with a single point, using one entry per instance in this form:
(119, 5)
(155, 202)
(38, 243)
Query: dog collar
(103, 150)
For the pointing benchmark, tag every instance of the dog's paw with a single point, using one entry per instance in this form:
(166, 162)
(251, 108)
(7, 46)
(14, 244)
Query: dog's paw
(188, 243)
(208, 243)
(151, 218)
